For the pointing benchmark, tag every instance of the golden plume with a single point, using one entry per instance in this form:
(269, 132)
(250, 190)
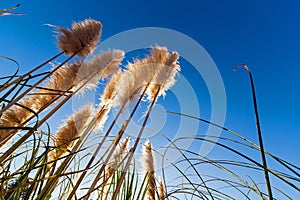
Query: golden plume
(82, 38)
(117, 158)
(165, 72)
(70, 131)
(148, 162)
(161, 190)
(158, 69)
(69, 77)
(100, 66)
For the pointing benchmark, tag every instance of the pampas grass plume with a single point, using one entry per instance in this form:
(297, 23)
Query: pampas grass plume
(15, 116)
(110, 88)
(148, 162)
(117, 158)
(82, 38)
(132, 81)
(71, 130)
(100, 66)
(161, 190)
(61, 80)
(166, 70)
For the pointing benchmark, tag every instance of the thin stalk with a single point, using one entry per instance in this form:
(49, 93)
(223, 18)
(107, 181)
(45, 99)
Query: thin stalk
(262, 151)
(36, 84)
(132, 150)
(282, 162)
(87, 167)
(51, 183)
(29, 133)
(116, 141)
(28, 73)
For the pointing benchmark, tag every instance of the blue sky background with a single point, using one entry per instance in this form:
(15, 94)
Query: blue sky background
(263, 34)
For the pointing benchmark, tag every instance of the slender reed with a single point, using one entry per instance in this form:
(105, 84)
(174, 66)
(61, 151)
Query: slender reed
(106, 98)
(132, 150)
(133, 80)
(115, 142)
(112, 60)
(122, 87)
(34, 85)
(18, 80)
(262, 151)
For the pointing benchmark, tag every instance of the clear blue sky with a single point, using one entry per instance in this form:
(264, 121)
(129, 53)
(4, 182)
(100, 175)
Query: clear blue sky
(263, 34)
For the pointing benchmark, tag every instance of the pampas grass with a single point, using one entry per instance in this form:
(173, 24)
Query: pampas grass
(117, 158)
(158, 69)
(165, 72)
(82, 38)
(14, 117)
(41, 165)
(148, 162)
(100, 66)
(161, 190)
(67, 78)
(69, 132)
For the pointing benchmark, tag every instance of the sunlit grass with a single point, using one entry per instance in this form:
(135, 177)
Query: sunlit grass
(37, 163)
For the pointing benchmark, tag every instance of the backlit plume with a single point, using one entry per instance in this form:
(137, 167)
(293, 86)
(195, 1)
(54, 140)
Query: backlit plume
(148, 162)
(158, 70)
(100, 66)
(82, 38)
(61, 80)
(70, 131)
(166, 70)
(117, 158)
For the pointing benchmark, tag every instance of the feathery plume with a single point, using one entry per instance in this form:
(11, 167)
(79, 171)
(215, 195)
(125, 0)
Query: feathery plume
(148, 162)
(101, 118)
(158, 55)
(72, 129)
(117, 158)
(110, 88)
(166, 71)
(132, 81)
(100, 66)
(82, 38)
(106, 98)
(62, 80)
(68, 77)
(161, 190)
(159, 69)
(14, 117)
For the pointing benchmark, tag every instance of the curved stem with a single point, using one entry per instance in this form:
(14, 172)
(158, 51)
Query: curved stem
(258, 130)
